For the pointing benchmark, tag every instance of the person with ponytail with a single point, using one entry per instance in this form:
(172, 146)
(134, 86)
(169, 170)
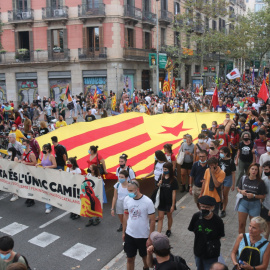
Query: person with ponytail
(170, 155)
(72, 167)
(48, 162)
(96, 158)
(168, 186)
(123, 166)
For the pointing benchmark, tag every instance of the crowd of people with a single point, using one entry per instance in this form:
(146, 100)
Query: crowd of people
(206, 169)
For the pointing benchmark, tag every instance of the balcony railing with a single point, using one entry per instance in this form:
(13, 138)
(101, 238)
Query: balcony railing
(166, 16)
(54, 13)
(136, 54)
(149, 17)
(132, 12)
(98, 9)
(23, 56)
(20, 15)
(92, 53)
(59, 54)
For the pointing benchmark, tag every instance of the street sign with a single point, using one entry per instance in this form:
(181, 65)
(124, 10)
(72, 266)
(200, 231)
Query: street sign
(152, 59)
(162, 60)
(229, 66)
(178, 79)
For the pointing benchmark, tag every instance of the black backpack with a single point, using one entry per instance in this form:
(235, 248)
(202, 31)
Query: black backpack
(251, 255)
(182, 265)
(16, 259)
(128, 168)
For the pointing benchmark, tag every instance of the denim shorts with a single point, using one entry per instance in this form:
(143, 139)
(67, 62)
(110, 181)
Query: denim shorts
(227, 181)
(252, 208)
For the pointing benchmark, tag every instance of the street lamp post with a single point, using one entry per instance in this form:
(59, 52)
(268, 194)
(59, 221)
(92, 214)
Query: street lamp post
(157, 62)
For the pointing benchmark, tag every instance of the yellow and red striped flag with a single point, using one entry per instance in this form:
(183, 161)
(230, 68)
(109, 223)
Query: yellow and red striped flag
(166, 85)
(113, 103)
(95, 97)
(267, 79)
(136, 134)
(173, 88)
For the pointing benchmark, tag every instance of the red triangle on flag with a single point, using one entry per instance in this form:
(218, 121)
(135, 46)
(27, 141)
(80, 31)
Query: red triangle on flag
(263, 93)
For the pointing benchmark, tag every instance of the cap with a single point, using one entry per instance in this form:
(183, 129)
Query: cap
(159, 241)
(207, 200)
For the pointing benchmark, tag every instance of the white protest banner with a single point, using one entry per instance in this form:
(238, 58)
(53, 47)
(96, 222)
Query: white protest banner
(67, 191)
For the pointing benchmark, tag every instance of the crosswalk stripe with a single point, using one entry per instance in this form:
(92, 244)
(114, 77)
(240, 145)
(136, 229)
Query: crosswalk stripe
(4, 195)
(13, 228)
(53, 220)
(44, 239)
(79, 251)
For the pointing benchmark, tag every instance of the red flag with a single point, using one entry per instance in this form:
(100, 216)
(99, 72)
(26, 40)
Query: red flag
(215, 99)
(263, 93)
(69, 98)
(244, 77)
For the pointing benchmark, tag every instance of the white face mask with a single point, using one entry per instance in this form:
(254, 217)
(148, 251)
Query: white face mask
(13, 128)
(200, 140)
(10, 153)
(268, 148)
(227, 118)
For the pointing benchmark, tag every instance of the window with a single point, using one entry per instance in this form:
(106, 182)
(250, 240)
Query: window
(57, 39)
(24, 42)
(93, 38)
(21, 4)
(164, 5)
(176, 8)
(177, 41)
(130, 38)
(221, 25)
(197, 69)
(147, 40)
(92, 4)
(147, 6)
(163, 36)
(206, 20)
(214, 25)
(56, 3)
(188, 41)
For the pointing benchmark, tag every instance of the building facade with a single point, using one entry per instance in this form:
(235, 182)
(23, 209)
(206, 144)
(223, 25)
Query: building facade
(49, 44)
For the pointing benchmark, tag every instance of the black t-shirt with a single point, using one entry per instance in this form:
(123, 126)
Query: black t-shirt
(43, 131)
(227, 166)
(59, 152)
(256, 187)
(90, 118)
(214, 230)
(246, 152)
(167, 265)
(166, 190)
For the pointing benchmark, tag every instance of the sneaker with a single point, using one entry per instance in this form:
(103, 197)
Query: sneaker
(48, 210)
(14, 198)
(120, 229)
(75, 217)
(96, 222)
(30, 203)
(90, 222)
(223, 214)
(168, 233)
(71, 215)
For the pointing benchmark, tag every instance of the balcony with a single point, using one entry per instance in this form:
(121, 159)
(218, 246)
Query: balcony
(97, 11)
(21, 16)
(165, 17)
(23, 56)
(50, 14)
(132, 14)
(149, 18)
(59, 54)
(136, 54)
(92, 54)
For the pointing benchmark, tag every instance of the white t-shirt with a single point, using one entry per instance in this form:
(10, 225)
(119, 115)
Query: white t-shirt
(93, 112)
(142, 109)
(158, 170)
(138, 219)
(256, 106)
(131, 173)
(77, 170)
(121, 191)
(148, 99)
(160, 108)
(263, 158)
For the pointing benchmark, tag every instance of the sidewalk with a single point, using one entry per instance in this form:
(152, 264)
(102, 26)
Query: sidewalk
(182, 240)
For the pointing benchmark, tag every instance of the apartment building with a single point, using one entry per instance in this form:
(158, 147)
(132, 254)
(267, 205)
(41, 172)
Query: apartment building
(49, 44)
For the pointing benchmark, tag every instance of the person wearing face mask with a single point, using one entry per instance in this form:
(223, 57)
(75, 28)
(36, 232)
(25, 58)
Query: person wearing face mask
(7, 254)
(249, 129)
(96, 158)
(138, 224)
(208, 228)
(60, 153)
(170, 155)
(227, 123)
(214, 149)
(48, 162)
(265, 157)
(201, 145)
(260, 145)
(34, 145)
(123, 166)
(18, 133)
(234, 136)
(168, 186)
(62, 108)
(213, 129)
(227, 165)
(197, 175)
(224, 139)
(60, 122)
(120, 192)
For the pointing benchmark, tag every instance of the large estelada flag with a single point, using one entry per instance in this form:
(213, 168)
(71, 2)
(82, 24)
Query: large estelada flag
(136, 134)
(166, 85)
(173, 88)
(68, 94)
(234, 74)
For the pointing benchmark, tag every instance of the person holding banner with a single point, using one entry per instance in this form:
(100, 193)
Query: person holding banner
(29, 159)
(48, 161)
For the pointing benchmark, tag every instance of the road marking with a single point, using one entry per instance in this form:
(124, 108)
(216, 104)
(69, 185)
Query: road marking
(79, 251)
(44, 239)
(53, 220)
(13, 228)
(4, 195)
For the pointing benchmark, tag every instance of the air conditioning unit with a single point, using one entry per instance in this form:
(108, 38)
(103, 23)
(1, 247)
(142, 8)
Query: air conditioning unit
(58, 12)
(26, 15)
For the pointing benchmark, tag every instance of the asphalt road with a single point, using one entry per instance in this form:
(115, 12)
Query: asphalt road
(48, 242)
